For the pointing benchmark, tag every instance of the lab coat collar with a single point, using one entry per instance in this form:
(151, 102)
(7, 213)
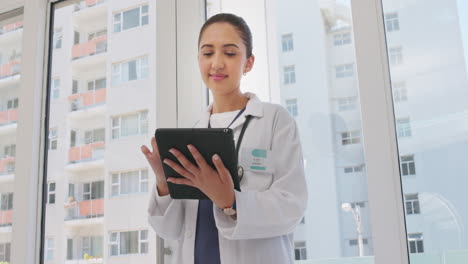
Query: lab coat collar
(254, 108)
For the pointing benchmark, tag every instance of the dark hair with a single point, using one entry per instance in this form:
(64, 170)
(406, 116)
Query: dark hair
(237, 22)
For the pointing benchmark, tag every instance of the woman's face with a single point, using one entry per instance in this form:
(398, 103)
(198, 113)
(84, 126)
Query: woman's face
(222, 58)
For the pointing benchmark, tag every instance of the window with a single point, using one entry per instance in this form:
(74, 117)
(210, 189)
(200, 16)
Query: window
(341, 39)
(76, 38)
(355, 242)
(58, 38)
(92, 246)
(136, 69)
(12, 103)
(131, 18)
(55, 88)
(391, 22)
(97, 84)
(412, 204)
(49, 249)
(129, 125)
(10, 150)
(6, 203)
(289, 74)
(287, 42)
(353, 169)
(51, 193)
(95, 135)
(5, 250)
(300, 250)
(129, 242)
(416, 243)
(396, 55)
(408, 166)
(343, 71)
(351, 137)
(53, 138)
(291, 106)
(399, 92)
(403, 127)
(347, 104)
(93, 190)
(129, 182)
(75, 87)
(97, 34)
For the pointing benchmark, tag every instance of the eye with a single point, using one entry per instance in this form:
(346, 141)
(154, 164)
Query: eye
(230, 54)
(207, 54)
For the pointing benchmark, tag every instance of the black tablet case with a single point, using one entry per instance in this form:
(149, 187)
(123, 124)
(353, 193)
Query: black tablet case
(208, 141)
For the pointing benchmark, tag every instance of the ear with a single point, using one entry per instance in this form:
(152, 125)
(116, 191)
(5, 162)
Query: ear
(249, 64)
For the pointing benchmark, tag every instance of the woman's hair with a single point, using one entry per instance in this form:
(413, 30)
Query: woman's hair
(237, 22)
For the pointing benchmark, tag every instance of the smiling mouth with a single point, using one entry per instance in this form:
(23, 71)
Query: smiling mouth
(217, 77)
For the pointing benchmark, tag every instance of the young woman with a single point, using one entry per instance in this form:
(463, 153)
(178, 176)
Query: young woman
(255, 225)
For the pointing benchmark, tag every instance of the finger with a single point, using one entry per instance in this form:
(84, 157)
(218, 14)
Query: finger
(224, 174)
(154, 144)
(197, 156)
(146, 152)
(179, 169)
(185, 162)
(180, 181)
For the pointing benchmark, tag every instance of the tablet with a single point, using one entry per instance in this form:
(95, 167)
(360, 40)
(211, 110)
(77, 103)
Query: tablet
(208, 141)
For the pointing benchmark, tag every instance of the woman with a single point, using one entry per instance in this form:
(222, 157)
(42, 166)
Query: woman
(255, 225)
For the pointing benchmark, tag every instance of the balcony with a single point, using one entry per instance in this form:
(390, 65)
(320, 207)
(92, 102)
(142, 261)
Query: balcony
(85, 157)
(6, 218)
(11, 27)
(88, 103)
(84, 212)
(95, 46)
(87, 4)
(8, 121)
(7, 169)
(10, 69)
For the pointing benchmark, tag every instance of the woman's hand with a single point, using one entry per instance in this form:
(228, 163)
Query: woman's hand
(154, 160)
(216, 184)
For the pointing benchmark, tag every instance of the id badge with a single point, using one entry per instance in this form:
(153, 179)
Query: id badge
(255, 159)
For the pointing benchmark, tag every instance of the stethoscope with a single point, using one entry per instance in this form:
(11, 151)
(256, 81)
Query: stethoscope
(240, 169)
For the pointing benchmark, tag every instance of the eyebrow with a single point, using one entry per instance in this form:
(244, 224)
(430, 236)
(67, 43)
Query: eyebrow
(225, 45)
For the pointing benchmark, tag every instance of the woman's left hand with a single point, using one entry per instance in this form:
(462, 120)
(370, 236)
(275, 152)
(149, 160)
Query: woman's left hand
(216, 184)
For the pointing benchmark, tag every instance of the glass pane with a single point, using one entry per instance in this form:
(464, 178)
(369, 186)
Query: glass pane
(89, 222)
(427, 44)
(131, 18)
(298, 65)
(11, 33)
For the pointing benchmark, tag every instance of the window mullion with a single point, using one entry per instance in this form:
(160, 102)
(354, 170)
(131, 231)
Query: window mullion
(378, 129)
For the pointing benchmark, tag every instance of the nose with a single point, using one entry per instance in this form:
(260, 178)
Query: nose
(218, 63)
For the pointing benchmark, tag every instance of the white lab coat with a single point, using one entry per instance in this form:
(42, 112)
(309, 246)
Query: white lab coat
(269, 206)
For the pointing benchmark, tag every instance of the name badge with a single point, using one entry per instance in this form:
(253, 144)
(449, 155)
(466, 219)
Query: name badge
(255, 159)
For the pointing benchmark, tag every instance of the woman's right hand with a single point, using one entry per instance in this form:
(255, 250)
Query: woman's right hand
(155, 161)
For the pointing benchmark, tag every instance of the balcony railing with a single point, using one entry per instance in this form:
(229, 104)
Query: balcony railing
(92, 47)
(87, 3)
(11, 68)
(89, 152)
(11, 27)
(85, 209)
(6, 218)
(7, 166)
(9, 116)
(87, 100)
